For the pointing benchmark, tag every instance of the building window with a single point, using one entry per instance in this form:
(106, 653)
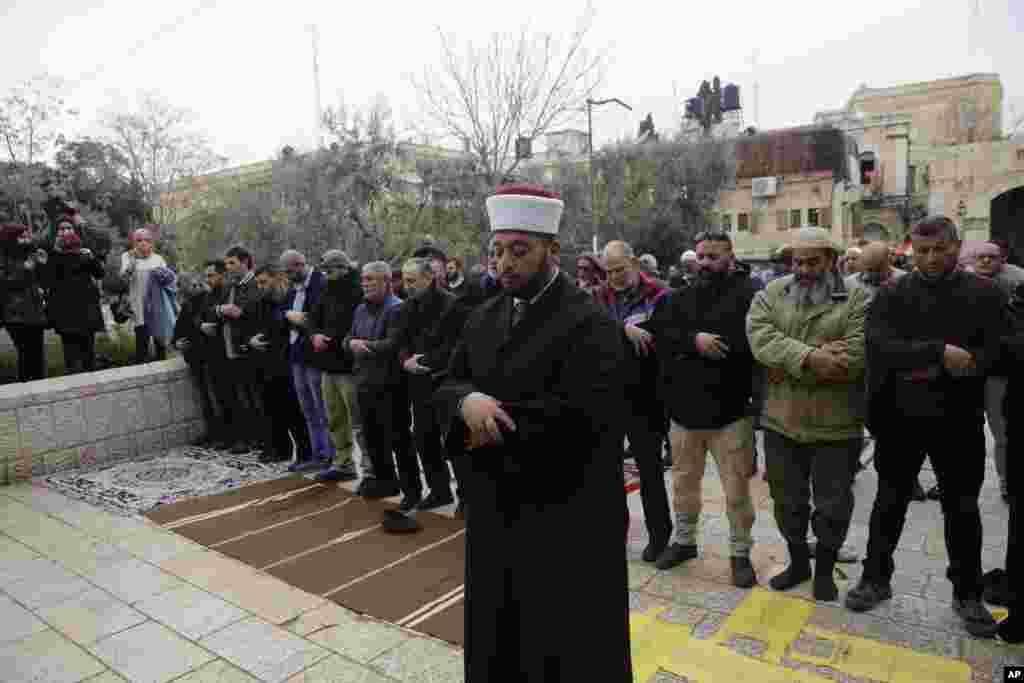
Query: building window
(1020, 155)
(794, 218)
(726, 222)
(911, 179)
(812, 217)
(743, 222)
(867, 168)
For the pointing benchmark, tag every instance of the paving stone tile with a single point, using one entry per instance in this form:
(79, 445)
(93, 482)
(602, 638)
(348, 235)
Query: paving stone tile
(265, 596)
(218, 671)
(360, 640)
(46, 657)
(640, 601)
(192, 612)
(330, 614)
(156, 546)
(16, 622)
(709, 625)
(132, 580)
(683, 615)
(107, 676)
(19, 567)
(264, 650)
(336, 669)
(640, 573)
(49, 586)
(150, 653)
(91, 616)
(421, 660)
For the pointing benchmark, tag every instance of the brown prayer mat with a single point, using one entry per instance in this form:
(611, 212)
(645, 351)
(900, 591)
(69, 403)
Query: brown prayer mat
(327, 541)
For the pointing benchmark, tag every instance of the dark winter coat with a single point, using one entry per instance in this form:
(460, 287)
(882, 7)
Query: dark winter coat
(73, 303)
(271, 323)
(187, 327)
(374, 322)
(301, 349)
(553, 490)
(247, 297)
(21, 293)
(909, 324)
(701, 393)
(429, 324)
(634, 307)
(332, 316)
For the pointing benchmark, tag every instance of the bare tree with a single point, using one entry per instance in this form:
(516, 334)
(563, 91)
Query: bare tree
(518, 84)
(30, 118)
(161, 148)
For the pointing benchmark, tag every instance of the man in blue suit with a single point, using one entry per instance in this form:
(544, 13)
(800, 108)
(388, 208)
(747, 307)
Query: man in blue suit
(307, 286)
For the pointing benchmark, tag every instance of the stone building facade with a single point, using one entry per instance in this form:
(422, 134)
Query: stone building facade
(917, 148)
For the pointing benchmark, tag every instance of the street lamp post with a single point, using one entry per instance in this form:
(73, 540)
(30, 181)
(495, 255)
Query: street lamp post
(590, 157)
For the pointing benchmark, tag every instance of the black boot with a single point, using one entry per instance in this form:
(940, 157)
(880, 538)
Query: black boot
(825, 588)
(798, 571)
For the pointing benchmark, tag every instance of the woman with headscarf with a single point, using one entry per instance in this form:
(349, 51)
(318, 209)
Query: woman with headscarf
(74, 301)
(21, 298)
(136, 265)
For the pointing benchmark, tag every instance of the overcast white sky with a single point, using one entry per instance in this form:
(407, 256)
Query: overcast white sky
(245, 68)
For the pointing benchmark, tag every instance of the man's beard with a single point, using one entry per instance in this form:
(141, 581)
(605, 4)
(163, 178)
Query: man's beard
(813, 292)
(709, 277)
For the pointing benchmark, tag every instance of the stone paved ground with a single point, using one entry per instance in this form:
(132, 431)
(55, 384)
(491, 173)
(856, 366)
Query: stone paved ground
(699, 595)
(85, 595)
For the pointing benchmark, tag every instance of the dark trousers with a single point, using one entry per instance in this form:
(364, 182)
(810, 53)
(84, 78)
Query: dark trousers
(201, 374)
(142, 339)
(644, 427)
(285, 420)
(28, 341)
(956, 448)
(1015, 532)
(795, 470)
(427, 435)
(237, 388)
(386, 425)
(79, 352)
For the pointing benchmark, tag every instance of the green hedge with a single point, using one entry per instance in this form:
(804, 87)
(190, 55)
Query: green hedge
(115, 352)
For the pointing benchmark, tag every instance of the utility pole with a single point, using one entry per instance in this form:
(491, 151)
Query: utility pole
(318, 111)
(753, 75)
(590, 156)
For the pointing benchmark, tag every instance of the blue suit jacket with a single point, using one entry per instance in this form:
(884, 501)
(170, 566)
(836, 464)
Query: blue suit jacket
(317, 284)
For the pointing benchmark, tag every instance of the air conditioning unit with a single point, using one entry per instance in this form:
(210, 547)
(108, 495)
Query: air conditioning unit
(765, 187)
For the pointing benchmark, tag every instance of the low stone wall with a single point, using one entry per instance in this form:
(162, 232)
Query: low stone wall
(96, 417)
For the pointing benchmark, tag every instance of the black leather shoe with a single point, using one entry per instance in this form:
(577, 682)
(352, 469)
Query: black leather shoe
(934, 493)
(653, 551)
(346, 473)
(867, 595)
(435, 500)
(377, 488)
(743, 575)
(674, 555)
(409, 503)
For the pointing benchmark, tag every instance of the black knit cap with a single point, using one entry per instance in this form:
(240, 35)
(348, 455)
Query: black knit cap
(431, 251)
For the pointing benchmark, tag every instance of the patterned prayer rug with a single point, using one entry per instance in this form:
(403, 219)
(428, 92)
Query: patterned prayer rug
(139, 486)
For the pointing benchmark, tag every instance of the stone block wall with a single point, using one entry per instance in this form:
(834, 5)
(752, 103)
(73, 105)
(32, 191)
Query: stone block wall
(96, 417)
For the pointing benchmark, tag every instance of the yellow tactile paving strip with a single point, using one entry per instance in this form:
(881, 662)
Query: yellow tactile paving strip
(777, 621)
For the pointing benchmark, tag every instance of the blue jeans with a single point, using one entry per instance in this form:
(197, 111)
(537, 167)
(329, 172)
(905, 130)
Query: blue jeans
(307, 382)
